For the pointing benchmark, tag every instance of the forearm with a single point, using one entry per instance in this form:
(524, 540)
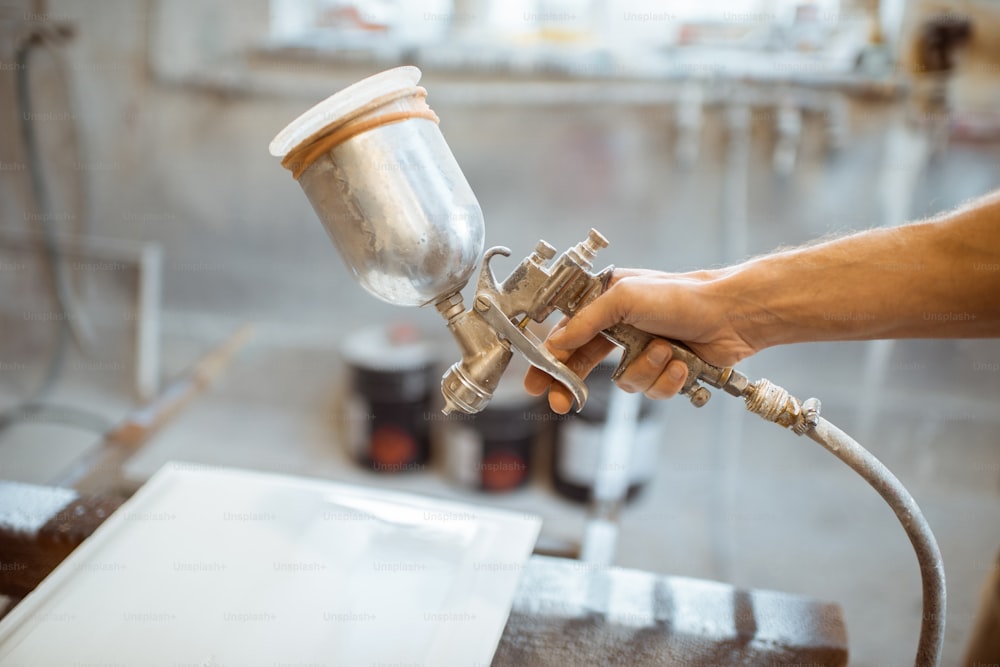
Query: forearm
(936, 279)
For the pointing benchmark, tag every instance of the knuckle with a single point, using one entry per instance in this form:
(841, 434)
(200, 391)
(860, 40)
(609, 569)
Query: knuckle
(658, 354)
(622, 289)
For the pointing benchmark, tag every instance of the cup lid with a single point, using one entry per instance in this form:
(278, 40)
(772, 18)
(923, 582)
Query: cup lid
(341, 104)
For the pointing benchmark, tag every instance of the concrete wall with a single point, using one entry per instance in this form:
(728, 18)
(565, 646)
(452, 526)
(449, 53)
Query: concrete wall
(188, 167)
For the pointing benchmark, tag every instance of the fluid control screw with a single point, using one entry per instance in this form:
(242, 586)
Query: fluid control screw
(596, 240)
(545, 251)
(588, 249)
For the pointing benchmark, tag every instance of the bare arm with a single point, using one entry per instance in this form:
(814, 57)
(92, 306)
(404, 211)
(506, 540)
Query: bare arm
(934, 279)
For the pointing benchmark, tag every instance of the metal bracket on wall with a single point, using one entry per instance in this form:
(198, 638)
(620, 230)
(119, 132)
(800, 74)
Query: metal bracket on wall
(146, 259)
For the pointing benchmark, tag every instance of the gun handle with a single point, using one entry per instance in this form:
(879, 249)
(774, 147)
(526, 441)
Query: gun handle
(633, 341)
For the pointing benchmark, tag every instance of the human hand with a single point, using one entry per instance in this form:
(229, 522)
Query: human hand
(685, 307)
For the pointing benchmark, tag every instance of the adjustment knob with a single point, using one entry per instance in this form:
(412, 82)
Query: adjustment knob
(596, 240)
(545, 251)
(700, 396)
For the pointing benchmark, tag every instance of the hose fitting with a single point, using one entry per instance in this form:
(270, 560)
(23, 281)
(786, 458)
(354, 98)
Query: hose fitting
(775, 404)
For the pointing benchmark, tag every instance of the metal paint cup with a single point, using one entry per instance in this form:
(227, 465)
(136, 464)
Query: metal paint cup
(384, 183)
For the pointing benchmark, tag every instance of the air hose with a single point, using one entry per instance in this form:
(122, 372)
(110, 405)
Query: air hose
(775, 404)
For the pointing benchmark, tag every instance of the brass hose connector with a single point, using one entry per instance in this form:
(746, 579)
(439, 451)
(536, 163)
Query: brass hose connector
(776, 404)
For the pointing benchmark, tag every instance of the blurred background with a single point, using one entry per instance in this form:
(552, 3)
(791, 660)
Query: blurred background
(143, 221)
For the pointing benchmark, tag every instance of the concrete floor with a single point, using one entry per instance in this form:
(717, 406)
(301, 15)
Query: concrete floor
(734, 499)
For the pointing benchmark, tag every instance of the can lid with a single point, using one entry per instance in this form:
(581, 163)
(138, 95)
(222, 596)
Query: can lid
(399, 347)
(341, 104)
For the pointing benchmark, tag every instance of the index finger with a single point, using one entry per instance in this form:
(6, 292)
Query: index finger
(580, 362)
(606, 310)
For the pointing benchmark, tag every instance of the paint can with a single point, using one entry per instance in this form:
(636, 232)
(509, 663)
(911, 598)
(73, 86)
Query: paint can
(493, 450)
(391, 382)
(578, 439)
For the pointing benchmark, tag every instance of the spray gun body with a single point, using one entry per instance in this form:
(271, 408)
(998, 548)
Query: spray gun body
(501, 311)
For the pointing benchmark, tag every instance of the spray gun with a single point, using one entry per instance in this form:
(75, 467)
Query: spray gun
(389, 192)
(501, 312)
(377, 171)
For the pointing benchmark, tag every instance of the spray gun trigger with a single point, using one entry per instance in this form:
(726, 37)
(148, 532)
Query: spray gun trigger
(531, 347)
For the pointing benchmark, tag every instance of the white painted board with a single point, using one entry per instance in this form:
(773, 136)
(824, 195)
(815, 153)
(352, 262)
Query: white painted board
(210, 566)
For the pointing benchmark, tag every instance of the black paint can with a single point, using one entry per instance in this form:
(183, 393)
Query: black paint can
(493, 450)
(391, 383)
(579, 437)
